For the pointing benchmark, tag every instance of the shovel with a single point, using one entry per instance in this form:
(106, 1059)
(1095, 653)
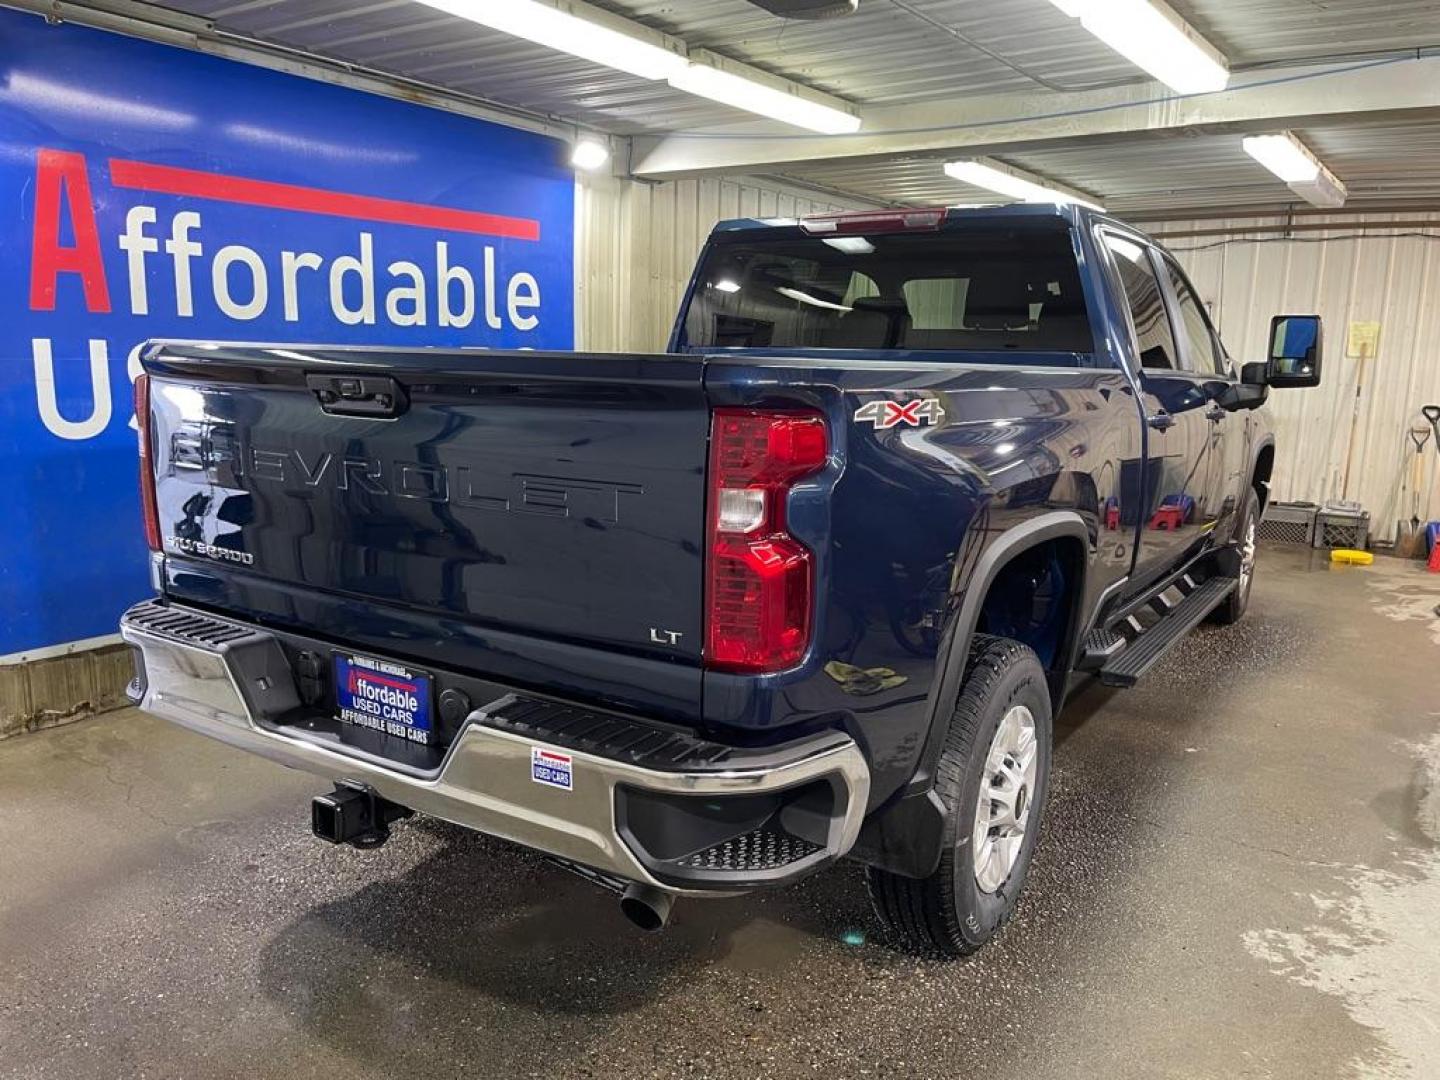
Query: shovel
(1409, 544)
(1432, 413)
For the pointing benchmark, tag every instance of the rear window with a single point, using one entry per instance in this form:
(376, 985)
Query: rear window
(976, 289)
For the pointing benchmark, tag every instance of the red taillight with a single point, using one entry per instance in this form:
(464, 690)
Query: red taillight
(761, 579)
(148, 509)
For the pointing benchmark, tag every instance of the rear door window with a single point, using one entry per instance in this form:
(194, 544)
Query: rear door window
(1207, 356)
(1147, 304)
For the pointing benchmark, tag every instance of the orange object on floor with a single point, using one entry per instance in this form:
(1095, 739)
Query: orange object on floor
(1434, 564)
(1168, 518)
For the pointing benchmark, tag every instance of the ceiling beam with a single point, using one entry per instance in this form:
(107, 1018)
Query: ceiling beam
(997, 123)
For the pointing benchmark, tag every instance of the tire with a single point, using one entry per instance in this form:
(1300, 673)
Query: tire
(950, 913)
(1246, 532)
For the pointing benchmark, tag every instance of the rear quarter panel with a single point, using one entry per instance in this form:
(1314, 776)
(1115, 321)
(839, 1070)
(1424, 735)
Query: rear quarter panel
(902, 516)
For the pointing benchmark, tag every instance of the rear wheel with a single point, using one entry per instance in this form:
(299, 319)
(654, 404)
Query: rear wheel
(993, 777)
(1247, 542)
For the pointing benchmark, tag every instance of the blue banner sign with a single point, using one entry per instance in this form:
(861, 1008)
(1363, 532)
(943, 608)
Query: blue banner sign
(164, 193)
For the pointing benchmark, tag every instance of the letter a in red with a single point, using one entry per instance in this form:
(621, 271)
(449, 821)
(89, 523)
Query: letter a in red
(57, 171)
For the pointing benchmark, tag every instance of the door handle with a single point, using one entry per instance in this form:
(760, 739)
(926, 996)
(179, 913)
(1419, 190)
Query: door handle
(1161, 421)
(1215, 412)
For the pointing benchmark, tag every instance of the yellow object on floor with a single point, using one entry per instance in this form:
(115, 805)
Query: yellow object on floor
(1351, 558)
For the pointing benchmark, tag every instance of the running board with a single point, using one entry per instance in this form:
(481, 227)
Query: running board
(1133, 661)
(1098, 649)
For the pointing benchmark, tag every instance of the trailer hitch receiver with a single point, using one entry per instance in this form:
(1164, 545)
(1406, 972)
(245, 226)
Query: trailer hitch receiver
(354, 814)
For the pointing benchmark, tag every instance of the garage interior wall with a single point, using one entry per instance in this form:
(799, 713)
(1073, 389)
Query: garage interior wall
(636, 243)
(1358, 271)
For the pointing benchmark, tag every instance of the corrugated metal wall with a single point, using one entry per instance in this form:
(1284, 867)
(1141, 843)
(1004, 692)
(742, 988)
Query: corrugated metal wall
(1389, 276)
(635, 244)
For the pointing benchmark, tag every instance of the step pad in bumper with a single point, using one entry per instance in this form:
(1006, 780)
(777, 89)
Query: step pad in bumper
(763, 849)
(186, 625)
(207, 663)
(641, 743)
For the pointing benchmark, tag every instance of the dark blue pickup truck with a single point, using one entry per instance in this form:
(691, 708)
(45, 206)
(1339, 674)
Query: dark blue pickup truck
(810, 585)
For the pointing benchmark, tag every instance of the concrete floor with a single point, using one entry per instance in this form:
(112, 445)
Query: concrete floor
(1239, 878)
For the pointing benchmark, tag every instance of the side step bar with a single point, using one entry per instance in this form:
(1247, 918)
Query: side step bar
(1124, 668)
(1098, 649)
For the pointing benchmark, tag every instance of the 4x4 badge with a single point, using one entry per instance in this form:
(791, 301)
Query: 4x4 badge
(888, 414)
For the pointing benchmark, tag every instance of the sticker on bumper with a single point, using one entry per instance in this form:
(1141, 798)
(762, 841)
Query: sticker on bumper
(552, 769)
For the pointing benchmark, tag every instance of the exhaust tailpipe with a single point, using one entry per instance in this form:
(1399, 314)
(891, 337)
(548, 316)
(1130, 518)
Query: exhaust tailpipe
(646, 907)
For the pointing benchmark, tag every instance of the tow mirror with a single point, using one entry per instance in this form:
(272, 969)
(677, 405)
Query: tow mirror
(1295, 351)
(1252, 389)
(1256, 374)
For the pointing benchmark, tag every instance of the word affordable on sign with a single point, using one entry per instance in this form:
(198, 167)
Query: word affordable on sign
(163, 193)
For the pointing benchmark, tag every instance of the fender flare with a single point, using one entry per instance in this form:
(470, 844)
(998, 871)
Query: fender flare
(1268, 439)
(955, 648)
(905, 835)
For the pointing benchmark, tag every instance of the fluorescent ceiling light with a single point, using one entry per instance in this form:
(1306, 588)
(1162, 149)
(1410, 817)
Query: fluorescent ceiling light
(1291, 160)
(806, 298)
(1325, 190)
(1154, 38)
(612, 41)
(567, 33)
(1007, 180)
(711, 81)
(851, 245)
(726, 285)
(589, 153)
(1284, 155)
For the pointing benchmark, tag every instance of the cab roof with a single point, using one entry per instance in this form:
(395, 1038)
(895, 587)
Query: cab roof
(922, 219)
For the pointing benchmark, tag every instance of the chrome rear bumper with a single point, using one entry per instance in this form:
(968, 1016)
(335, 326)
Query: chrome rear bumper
(231, 681)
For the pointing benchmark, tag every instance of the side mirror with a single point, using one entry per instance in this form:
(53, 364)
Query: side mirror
(1295, 351)
(1252, 389)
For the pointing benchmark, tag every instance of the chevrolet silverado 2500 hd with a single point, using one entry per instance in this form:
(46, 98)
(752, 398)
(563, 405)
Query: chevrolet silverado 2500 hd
(810, 585)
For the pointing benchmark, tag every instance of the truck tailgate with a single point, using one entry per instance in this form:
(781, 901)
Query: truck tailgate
(554, 496)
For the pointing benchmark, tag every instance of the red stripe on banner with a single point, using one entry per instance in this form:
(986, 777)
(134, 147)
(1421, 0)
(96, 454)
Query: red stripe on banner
(167, 180)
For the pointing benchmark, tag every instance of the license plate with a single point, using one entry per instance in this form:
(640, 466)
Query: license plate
(383, 696)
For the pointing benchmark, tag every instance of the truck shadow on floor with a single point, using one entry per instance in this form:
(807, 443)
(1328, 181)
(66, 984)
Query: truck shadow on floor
(478, 946)
(479, 951)
(502, 922)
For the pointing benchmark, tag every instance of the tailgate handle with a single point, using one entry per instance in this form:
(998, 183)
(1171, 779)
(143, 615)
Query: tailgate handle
(358, 395)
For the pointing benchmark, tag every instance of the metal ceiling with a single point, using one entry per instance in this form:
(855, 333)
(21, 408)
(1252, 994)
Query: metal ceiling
(889, 52)
(1385, 163)
(897, 52)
